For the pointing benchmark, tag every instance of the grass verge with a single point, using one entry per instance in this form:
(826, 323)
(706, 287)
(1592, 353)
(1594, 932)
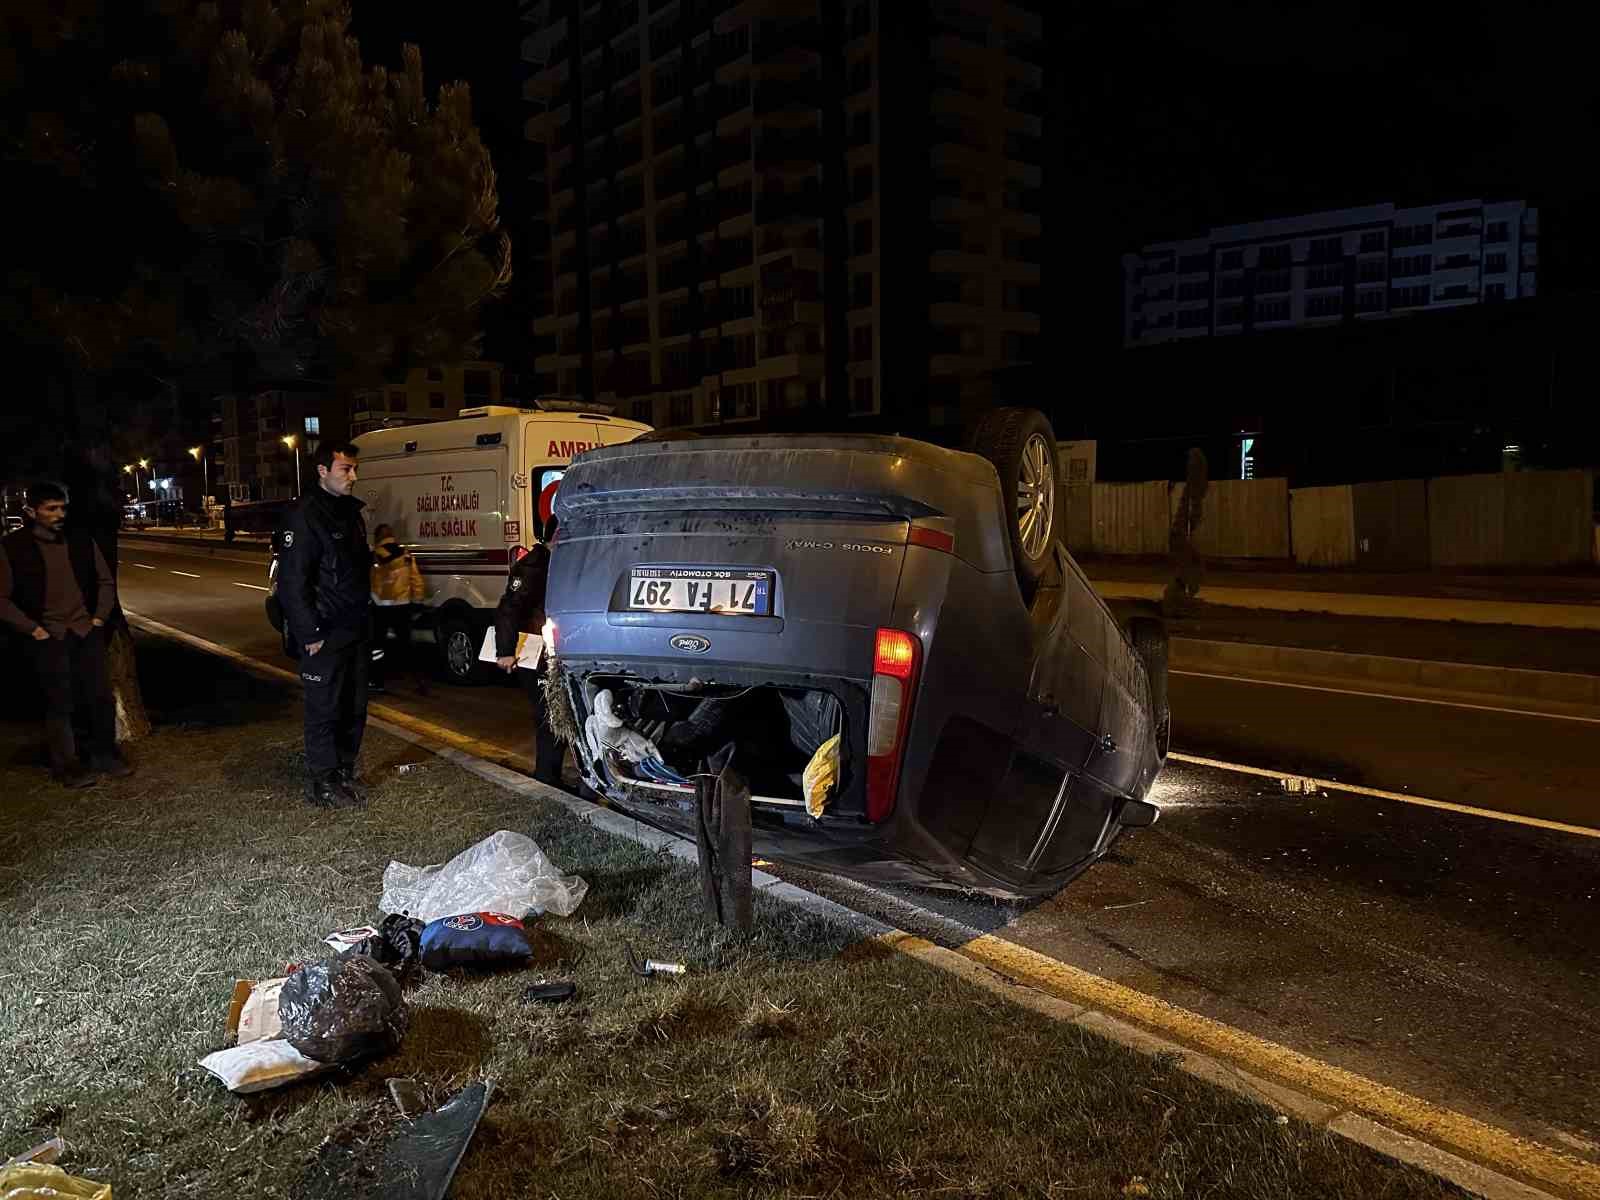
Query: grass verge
(794, 1062)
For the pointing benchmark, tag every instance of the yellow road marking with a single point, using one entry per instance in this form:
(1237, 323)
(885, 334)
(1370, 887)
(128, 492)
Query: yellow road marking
(1486, 1144)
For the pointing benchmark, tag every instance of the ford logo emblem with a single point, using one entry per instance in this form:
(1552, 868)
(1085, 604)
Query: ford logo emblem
(690, 643)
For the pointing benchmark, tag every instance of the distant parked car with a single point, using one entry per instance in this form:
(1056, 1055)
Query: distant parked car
(996, 726)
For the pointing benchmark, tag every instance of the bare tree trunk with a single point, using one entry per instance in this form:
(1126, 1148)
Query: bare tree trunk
(133, 722)
(1187, 566)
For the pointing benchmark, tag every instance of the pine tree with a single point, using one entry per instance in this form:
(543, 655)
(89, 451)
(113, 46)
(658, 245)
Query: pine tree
(202, 194)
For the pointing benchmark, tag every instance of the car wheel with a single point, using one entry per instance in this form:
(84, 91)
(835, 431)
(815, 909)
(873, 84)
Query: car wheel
(1022, 447)
(459, 640)
(1149, 637)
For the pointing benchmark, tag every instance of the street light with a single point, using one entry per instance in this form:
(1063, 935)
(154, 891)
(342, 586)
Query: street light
(133, 469)
(199, 455)
(294, 444)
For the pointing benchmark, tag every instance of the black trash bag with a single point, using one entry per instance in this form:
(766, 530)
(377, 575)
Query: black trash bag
(342, 1010)
(397, 945)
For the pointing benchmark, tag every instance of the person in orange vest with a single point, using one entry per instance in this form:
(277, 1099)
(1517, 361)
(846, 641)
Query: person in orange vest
(397, 589)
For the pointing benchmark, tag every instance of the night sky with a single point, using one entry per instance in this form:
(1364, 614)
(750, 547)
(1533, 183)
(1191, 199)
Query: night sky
(1195, 115)
(1176, 117)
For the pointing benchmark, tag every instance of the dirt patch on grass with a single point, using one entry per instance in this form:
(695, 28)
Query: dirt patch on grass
(794, 1061)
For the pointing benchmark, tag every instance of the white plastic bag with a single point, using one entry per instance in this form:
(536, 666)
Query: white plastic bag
(257, 1066)
(505, 873)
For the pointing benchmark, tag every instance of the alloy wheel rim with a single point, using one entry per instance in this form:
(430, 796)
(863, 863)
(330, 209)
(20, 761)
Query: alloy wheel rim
(1036, 497)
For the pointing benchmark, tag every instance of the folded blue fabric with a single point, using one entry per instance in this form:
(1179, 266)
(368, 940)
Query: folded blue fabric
(473, 939)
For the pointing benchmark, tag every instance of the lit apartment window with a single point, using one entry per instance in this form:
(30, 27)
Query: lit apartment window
(314, 426)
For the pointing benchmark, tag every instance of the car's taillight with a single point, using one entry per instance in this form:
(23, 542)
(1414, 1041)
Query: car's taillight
(518, 553)
(894, 677)
(549, 635)
(933, 539)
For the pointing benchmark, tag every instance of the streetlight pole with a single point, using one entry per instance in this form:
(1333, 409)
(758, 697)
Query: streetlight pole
(294, 444)
(199, 453)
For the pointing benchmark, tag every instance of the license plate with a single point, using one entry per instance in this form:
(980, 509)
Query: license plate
(727, 590)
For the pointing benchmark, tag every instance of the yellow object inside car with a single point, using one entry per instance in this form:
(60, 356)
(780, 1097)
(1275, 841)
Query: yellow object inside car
(821, 775)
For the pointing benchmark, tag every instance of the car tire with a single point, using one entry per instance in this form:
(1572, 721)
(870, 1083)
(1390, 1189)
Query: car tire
(1022, 447)
(459, 641)
(1149, 637)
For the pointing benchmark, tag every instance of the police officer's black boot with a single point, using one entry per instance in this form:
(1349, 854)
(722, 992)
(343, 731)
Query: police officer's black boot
(329, 791)
(352, 784)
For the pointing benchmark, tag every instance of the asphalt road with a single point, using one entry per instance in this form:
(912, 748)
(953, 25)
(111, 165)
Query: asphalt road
(1453, 956)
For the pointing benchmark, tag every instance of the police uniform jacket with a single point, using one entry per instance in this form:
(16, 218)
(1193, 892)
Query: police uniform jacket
(324, 570)
(521, 607)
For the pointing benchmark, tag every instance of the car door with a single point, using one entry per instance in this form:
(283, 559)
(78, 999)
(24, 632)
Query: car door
(1125, 730)
(1073, 656)
(1044, 816)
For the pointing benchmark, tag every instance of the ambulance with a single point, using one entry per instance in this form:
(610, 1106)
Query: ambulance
(468, 497)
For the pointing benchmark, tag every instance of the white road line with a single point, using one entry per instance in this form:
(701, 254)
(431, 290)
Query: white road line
(254, 587)
(144, 566)
(1312, 687)
(186, 574)
(1333, 785)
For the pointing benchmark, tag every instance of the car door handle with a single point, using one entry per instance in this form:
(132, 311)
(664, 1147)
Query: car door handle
(1108, 744)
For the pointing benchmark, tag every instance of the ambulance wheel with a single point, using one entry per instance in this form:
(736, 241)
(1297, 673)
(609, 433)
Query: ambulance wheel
(459, 642)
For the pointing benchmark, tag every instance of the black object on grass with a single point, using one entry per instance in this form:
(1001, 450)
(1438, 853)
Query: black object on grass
(551, 993)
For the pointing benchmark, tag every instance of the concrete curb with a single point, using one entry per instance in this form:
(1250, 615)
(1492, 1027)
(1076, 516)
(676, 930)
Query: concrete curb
(240, 552)
(1518, 684)
(1033, 981)
(1529, 613)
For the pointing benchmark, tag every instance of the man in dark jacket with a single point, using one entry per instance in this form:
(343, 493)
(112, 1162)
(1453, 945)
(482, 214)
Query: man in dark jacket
(57, 591)
(323, 584)
(521, 610)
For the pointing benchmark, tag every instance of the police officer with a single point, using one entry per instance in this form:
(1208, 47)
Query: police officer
(323, 583)
(521, 610)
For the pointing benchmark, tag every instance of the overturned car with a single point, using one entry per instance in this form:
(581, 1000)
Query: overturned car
(915, 679)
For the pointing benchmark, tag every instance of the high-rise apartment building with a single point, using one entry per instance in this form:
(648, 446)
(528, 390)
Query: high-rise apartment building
(1323, 268)
(780, 206)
